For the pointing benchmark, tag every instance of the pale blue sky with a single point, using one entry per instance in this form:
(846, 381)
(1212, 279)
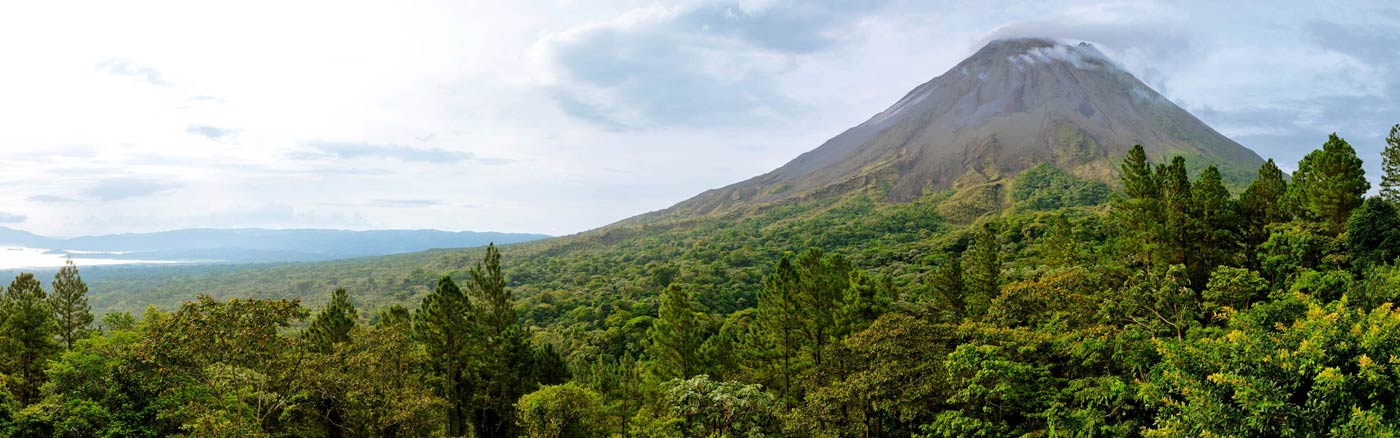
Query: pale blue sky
(557, 117)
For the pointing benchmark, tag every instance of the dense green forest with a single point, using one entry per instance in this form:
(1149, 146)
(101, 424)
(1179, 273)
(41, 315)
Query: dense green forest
(1052, 307)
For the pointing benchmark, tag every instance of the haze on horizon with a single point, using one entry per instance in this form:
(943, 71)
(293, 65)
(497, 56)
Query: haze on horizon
(557, 117)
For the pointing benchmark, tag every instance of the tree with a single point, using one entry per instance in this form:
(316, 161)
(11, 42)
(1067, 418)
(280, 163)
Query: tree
(946, 284)
(548, 365)
(1373, 234)
(779, 320)
(562, 411)
(675, 337)
(1139, 213)
(1321, 373)
(714, 409)
(70, 306)
(982, 269)
(27, 330)
(1214, 234)
(1390, 166)
(1330, 182)
(866, 298)
(332, 326)
(329, 330)
(488, 290)
(506, 371)
(444, 327)
(1262, 204)
(1179, 224)
(369, 386)
(228, 369)
(1057, 246)
(1137, 178)
(822, 282)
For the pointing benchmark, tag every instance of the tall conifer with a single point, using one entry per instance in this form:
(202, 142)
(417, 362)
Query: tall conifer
(27, 334)
(70, 305)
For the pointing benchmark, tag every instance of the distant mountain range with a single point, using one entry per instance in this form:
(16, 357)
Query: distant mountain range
(256, 244)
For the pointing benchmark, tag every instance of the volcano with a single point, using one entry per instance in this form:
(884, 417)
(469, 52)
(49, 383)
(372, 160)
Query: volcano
(1012, 105)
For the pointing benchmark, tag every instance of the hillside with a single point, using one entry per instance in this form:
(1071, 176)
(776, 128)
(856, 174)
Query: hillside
(1012, 105)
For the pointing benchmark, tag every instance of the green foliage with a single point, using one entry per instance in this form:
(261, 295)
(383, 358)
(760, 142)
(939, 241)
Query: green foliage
(982, 269)
(70, 306)
(1373, 234)
(333, 324)
(1045, 187)
(1233, 289)
(1325, 374)
(1330, 182)
(675, 337)
(1390, 166)
(947, 286)
(1295, 246)
(562, 411)
(729, 409)
(1261, 205)
(27, 330)
(443, 325)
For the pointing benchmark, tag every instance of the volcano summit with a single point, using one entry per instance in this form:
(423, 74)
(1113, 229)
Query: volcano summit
(1014, 104)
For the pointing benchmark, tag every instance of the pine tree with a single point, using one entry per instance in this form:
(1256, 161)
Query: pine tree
(1215, 226)
(675, 337)
(332, 326)
(444, 326)
(488, 290)
(946, 284)
(1373, 234)
(505, 374)
(549, 367)
(1330, 182)
(779, 321)
(822, 282)
(1057, 246)
(1264, 197)
(1137, 178)
(982, 269)
(394, 315)
(1178, 221)
(1139, 214)
(27, 331)
(1390, 166)
(70, 306)
(866, 298)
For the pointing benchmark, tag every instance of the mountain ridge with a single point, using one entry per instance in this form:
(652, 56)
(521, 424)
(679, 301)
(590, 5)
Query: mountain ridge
(1011, 105)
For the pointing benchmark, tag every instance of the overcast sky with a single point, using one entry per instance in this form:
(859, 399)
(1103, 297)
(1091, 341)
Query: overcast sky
(557, 117)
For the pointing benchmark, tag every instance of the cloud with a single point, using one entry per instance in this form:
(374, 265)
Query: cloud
(113, 189)
(11, 218)
(51, 199)
(1118, 28)
(124, 67)
(405, 203)
(711, 63)
(210, 99)
(210, 132)
(402, 153)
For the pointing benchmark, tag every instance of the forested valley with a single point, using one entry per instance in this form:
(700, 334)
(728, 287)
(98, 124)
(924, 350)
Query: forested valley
(1166, 306)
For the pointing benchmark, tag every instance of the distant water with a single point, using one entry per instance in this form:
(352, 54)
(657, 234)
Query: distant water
(19, 257)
